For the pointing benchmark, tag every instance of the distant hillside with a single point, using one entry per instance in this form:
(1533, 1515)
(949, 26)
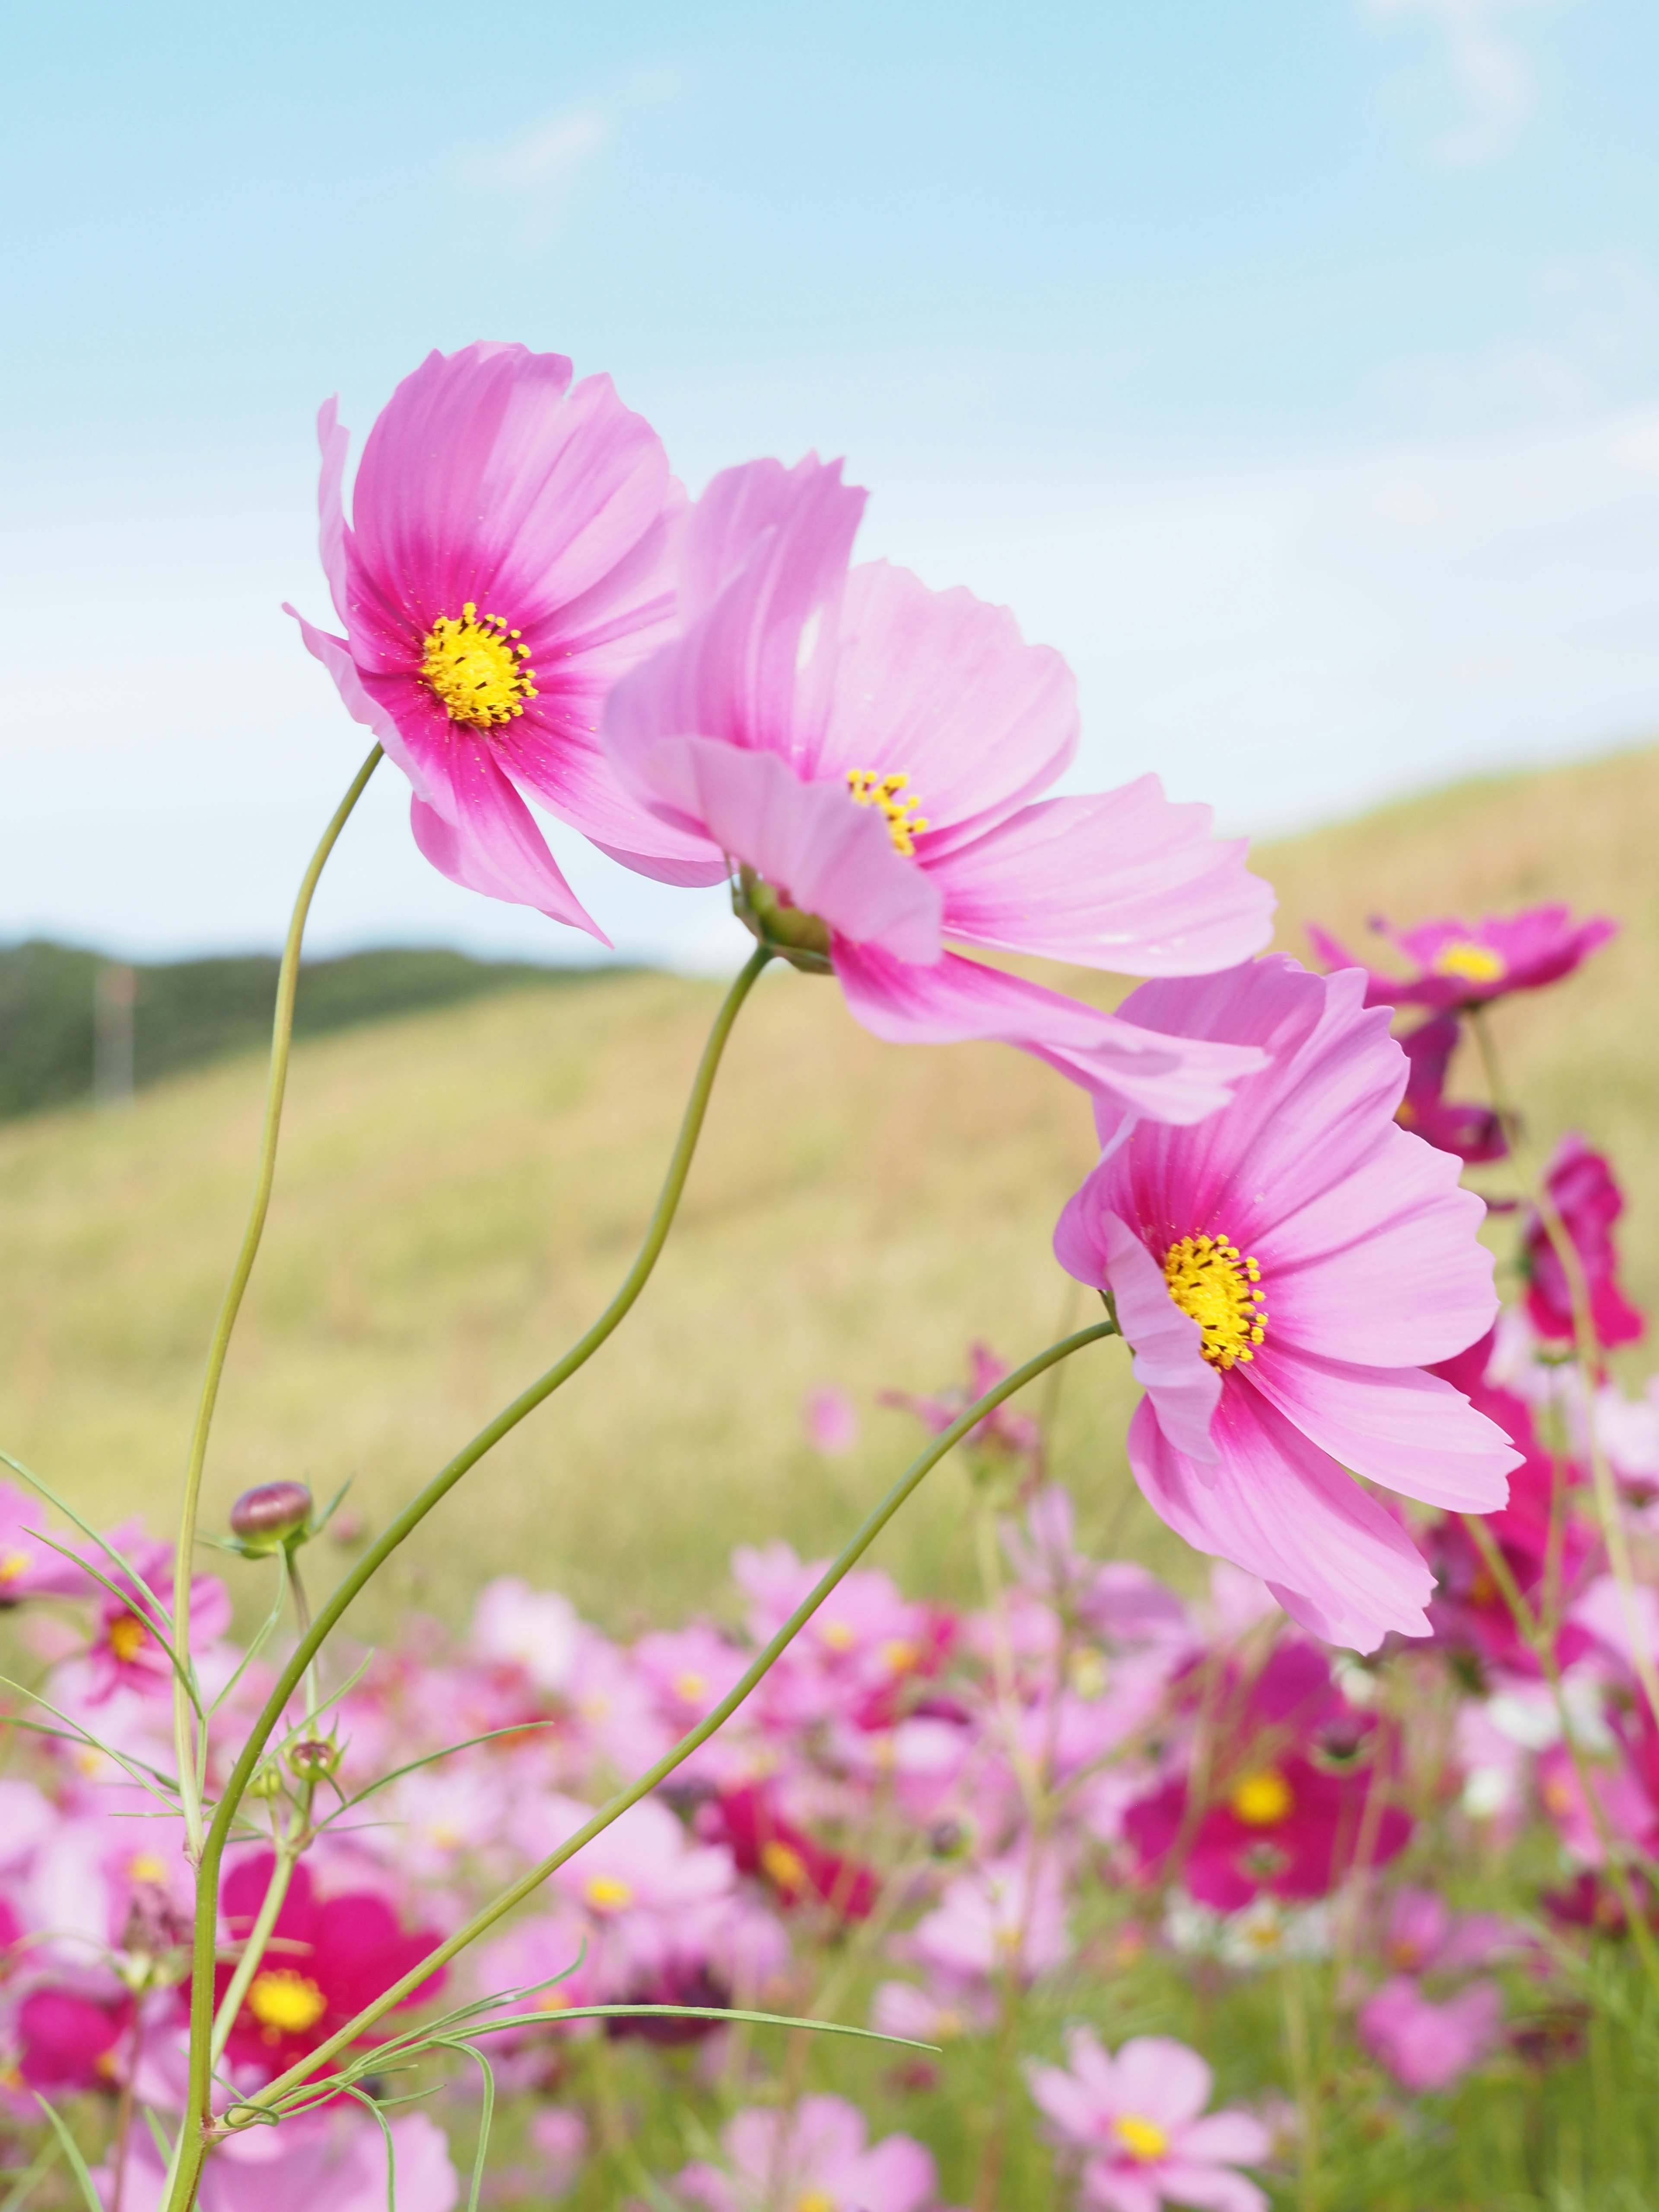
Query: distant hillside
(186, 1011)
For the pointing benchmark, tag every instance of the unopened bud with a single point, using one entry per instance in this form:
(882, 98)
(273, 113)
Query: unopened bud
(312, 1758)
(267, 1780)
(270, 1514)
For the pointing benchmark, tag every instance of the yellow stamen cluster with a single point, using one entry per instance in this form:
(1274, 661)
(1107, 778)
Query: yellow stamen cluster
(904, 824)
(127, 1636)
(13, 1564)
(1144, 2140)
(607, 1893)
(285, 2002)
(1210, 1279)
(783, 1865)
(477, 668)
(1470, 962)
(1263, 1799)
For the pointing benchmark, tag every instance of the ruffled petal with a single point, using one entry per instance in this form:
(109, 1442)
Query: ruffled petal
(1224, 2138)
(1122, 880)
(359, 701)
(1280, 1508)
(1161, 2079)
(1168, 1362)
(1171, 1079)
(485, 839)
(1398, 1426)
(833, 859)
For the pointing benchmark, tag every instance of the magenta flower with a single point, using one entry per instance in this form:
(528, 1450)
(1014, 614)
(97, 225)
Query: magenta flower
(1429, 2045)
(816, 2158)
(1588, 1201)
(1460, 964)
(506, 560)
(1284, 1273)
(336, 2159)
(72, 2040)
(124, 1653)
(1136, 2119)
(1004, 1432)
(1474, 1132)
(864, 753)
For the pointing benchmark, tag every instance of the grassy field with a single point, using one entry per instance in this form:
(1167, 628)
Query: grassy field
(459, 1192)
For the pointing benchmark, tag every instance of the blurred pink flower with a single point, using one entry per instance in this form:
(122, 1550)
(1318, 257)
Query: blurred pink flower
(29, 1568)
(1135, 2117)
(1588, 1201)
(830, 1420)
(1003, 1431)
(818, 2155)
(124, 1653)
(1427, 2045)
(1463, 964)
(506, 560)
(996, 1919)
(864, 754)
(334, 2161)
(1475, 1134)
(1285, 1273)
(559, 2138)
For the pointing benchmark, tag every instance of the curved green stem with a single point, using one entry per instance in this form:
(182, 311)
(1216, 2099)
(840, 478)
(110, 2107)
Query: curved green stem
(281, 1037)
(264, 2099)
(183, 2190)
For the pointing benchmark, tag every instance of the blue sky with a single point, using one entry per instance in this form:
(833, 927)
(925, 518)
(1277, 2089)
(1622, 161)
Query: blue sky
(1293, 365)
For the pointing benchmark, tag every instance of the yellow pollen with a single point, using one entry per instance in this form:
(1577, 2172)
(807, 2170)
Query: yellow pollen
(13, 1564)
(607, 1893)
(476, 669)
(1263, 1800)
(146, 1867)
(815, 2201)
(127, 1636)
(904, 824)
(691, 1688)
(899, 1656)
(1209, 1279)
(839, 1635)
(783, 1865)
(1474, 963)
(1143, 2139)
(285, 2002)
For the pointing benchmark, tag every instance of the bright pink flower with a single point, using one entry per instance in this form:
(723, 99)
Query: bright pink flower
(327, 1959)
(1003, 1431)
(795, 1867)
(506, 560)
(1589, 1201)
(1285, 1273)
(124, 1653)
(1136, 2118)
(1427, 2045)
(1474, 1132)
(1292, 1766)
(29, 1568)
(335, 2162)
(864, 753)
(1460, 964)
(818, 2154)
(71, 2041)
(1424, 1935)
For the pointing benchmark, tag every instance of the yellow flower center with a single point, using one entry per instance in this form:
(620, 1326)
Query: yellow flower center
(904, 824)
(1263, 1800)
(607, 1893)
(1143, 2139)
(477, 668)
(1208, 1279)
(839, 1635)
(691, 1688)
(285, 2002)
(146, 1867)
(127, 1636)
(784, 1866)
(899, 1654)
(1474, 964)
(12, 1565)
(815, 2201)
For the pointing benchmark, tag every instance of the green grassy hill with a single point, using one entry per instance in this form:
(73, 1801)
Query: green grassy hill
(460, 1190)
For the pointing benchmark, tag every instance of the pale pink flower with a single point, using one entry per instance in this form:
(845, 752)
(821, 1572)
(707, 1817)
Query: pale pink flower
(536, 1630)
(1135, 2118)
(865, 755)
(830, 1420)
(28, 1567)
(335, 2160)
(506, 560)
(818, 2154)
(1284, 1273)
(1427, 2045)
(995, 1919)
(559, 2138)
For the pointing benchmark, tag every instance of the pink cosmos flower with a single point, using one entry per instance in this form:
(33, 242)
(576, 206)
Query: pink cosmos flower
(818, 2155)
(1460, 964)
(864, 754)
(1474, 1132)
(1429, 2045)
(72, 2040)
(335, 2160)
(998, 1918)
(1588, 1201)
(1004, 1432)
(830, 1420)
(29, 1568)
(124, 1653)
(795, 1867)
(506, 560)
(1285, 1273)
(1136, 2119)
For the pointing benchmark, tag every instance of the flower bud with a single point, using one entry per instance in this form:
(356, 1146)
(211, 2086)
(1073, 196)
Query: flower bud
(270, 1514)
(267, 1780)
(312, 1758)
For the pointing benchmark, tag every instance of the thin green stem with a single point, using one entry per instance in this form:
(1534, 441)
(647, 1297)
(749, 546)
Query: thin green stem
(282, 1035)
(264, 2099)
(182, 2192)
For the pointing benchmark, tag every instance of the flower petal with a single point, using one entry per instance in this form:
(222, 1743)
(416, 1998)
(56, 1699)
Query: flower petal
(1167, 1078)
(486, 840)
(1229, 2138)
(1121, 880)
(1168, 1362)
(1280, 1508)
(1158, 2079)
(359, 702)
(1210, 2188)
(1398, 1426)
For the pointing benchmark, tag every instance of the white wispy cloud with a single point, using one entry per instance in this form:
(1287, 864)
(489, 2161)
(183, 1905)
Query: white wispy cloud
(1492, 78)
(543, 158)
